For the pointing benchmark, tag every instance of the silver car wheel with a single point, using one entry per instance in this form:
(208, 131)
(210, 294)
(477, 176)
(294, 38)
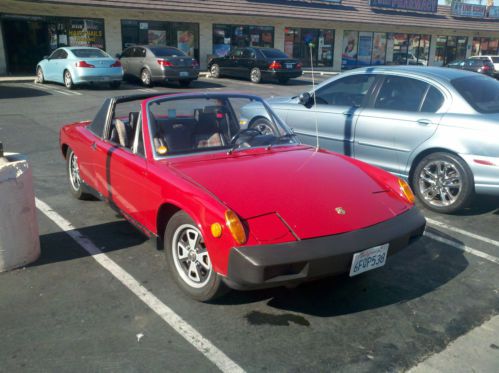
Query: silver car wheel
(440, 183)
(256, 75)
(190, 256)
(145, 76)
(68, 80)
(74, 172)
(39, 76)
(215, 71)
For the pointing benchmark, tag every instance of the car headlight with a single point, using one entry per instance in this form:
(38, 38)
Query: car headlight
(235, 226)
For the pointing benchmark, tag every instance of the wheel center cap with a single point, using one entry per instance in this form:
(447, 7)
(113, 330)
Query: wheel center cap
(192, 255)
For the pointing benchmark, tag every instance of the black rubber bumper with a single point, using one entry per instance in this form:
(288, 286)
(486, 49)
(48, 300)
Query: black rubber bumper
(272, 265)
(281, 74)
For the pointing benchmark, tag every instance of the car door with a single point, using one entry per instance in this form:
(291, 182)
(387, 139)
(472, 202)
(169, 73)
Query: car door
(246, 62)
(229, 65)
(60, 65)
(338, 106)
(51, 65)
(403, 113)
(125, 61)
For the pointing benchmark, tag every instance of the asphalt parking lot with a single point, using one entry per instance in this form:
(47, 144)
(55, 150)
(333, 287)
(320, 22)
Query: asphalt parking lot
(67, 312)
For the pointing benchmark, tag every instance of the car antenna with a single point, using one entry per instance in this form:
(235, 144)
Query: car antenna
(311, 45)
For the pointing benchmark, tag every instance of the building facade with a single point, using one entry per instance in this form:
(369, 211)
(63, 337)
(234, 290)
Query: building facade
(331, 35)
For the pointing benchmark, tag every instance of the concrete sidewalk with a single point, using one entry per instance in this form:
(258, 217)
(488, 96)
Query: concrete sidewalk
(16, 78)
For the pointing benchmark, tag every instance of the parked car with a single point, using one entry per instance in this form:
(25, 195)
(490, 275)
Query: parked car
(456, 64)
(233, 207)
(155, 64)
(257, 64)
(408, 59)
(489, 65)
(73, 66)
(434, 126)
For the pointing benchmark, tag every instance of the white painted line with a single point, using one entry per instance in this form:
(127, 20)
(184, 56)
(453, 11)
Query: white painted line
(462, 247)
(203, 345)
(148, 90)
(62, 92)
(52, 89)
(463, 232)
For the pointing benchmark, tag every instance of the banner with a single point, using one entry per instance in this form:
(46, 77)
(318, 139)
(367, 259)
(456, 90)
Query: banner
(493, 12)
(349, 54)
(415, 5)
(365, 48)
(459, 9)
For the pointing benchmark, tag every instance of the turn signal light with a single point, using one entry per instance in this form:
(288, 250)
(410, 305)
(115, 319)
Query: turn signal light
(216, 230)
(116, 64)
(235, 226)
(406, 191)
(83, 64)
(275, 66)
(165, 63)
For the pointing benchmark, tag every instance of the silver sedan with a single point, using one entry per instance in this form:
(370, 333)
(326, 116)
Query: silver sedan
(436, 127)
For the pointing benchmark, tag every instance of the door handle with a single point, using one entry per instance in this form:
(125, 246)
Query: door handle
(347, 113)
(424, 122)
(94, 146)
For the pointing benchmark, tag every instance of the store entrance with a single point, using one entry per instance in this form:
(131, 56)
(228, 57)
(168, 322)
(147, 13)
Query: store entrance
(26, 42)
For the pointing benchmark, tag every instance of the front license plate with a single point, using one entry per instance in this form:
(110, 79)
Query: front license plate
(184, 73)
(369, 259)
(289, 66)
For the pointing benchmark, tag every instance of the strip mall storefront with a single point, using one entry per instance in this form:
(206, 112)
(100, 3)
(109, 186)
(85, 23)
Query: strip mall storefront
(31, 30)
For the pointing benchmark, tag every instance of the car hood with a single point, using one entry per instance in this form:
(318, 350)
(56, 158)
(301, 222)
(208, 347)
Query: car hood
(316, 193)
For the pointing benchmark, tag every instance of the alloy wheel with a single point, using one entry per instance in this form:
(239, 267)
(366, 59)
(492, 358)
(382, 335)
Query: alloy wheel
(440, 183)
(74, 172)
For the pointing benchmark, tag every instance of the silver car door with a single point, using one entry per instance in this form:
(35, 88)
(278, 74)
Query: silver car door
(338, 105)
(402, 115)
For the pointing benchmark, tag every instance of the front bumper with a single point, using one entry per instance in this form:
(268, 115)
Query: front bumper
(272, 265)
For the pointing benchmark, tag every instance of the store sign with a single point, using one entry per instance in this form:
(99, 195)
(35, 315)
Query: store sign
(460, 9)
(493, 12)
(415, 5)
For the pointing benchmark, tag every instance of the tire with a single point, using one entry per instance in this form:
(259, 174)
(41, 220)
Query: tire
(264, 126)
(215, 71)
(75, 182)
(184, 83)
(191, 267)
(283, 80)
(68, 80)
(145, 78)
(255, 75)
(40, 78)
(443, 182)
(115, 85)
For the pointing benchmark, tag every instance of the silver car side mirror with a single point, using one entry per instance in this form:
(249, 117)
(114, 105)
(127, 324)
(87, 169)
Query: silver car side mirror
(306, 100)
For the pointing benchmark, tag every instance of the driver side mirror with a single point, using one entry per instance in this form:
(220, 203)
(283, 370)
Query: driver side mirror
(306, 100)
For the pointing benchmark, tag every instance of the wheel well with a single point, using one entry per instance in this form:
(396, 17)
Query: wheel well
(424, 154)
(255, 119)
(64, 149)
(165, 213)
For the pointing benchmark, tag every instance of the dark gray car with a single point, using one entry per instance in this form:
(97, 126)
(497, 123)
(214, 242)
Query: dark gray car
(154, 64)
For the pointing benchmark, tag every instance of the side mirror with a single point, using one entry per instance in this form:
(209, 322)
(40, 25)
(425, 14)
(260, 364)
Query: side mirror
(306, 100)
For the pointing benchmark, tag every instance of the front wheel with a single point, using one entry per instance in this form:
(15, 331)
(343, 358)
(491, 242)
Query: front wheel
(40, 78)
(189, 261)
(68, 80)
(145, 78)
(215, 71)
(255, 75)
(75, 182)
(443, 182)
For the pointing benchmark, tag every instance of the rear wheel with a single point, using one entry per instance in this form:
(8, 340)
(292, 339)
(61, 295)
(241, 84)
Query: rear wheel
(68, 80)
(215, 71)
(184, 83)
(443, 182)
(39, 75)
(189, 261)
(255, 75)
(145, 78)
(75, 182)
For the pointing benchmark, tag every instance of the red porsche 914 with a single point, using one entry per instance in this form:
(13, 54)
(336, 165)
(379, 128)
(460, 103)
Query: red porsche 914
(236, 204)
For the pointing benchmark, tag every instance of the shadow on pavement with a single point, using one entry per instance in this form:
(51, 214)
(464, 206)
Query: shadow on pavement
(7, 92)
(59, 247)
(482, 205)
(420, 269)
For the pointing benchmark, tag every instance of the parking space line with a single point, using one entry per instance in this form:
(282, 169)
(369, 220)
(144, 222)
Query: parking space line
(52, 89)
(463, 232)
(462, 247)
(203, 345)
(148, 90)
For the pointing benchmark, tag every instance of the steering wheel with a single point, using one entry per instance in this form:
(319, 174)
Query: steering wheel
(236, 137)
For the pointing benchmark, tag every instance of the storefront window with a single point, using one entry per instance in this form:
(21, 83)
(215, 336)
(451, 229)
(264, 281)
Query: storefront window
(297, 45)
(182, 35)
(363, 49)
(450, 48)
(408, 49)
(484, 46)
(226, 37)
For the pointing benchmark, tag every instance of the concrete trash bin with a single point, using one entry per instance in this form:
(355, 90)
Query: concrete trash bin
(19, 237)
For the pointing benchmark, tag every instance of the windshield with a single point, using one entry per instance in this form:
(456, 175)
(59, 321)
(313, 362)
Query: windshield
(214, 122)
(167, 52)
(495, 59)
(273, 53)
(90, 53)
(481, 92)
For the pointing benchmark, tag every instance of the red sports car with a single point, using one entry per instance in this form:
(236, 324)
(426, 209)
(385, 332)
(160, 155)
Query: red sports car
(236, 204)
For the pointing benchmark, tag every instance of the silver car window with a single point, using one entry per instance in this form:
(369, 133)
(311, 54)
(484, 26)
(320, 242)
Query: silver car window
(433, 101)
(349, 91)
(401, 94)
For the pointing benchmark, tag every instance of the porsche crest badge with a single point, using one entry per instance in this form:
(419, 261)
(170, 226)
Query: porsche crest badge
(340, 210)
